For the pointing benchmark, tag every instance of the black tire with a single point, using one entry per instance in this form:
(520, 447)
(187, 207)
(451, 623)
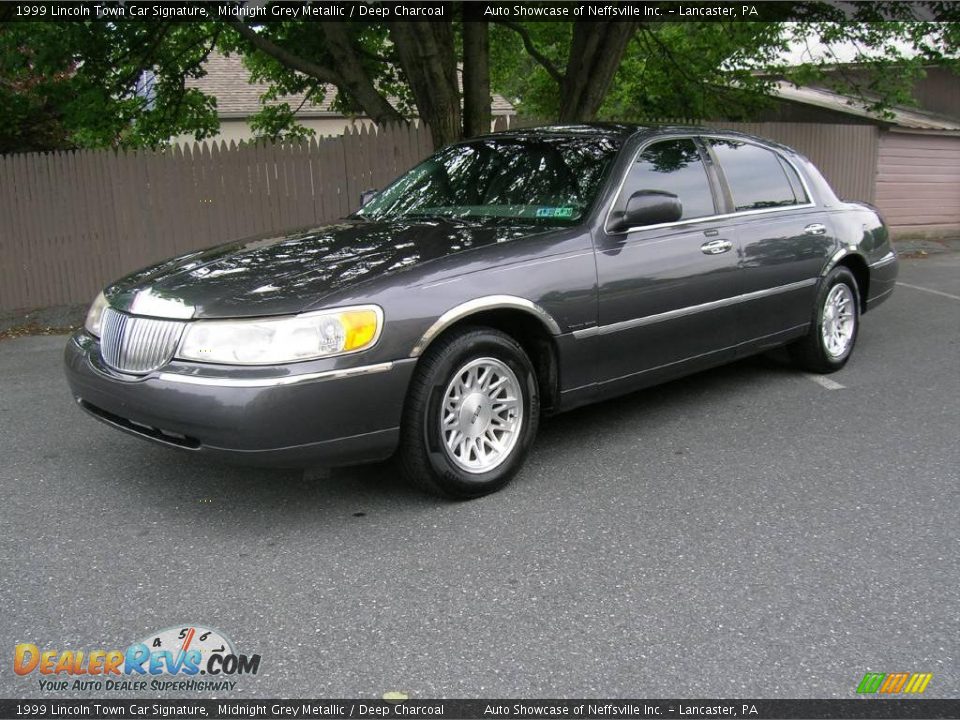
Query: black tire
(811, 352)
(423, 458)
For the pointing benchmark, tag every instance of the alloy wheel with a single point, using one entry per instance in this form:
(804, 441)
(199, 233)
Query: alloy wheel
(838, 321)
(481, 415)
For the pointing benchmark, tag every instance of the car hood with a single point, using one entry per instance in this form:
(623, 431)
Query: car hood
(279, 274)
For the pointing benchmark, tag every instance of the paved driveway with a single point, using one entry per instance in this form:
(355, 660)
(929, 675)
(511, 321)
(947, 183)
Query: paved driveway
(744, 532)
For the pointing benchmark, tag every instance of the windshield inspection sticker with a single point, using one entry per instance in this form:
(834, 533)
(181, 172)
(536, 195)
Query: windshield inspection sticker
(555, 212)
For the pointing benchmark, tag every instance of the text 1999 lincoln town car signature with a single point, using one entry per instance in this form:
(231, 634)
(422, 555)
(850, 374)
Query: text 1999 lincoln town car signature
(506, 276)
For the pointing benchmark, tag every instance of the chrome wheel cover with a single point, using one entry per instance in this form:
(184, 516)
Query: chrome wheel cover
(481, 415)
(839, 319)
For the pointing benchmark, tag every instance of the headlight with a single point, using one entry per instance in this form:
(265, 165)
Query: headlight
(95, 315)
(265, 341)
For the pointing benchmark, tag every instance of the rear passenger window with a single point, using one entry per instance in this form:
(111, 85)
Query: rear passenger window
(757, 177)
(673, 166)
(798, 192)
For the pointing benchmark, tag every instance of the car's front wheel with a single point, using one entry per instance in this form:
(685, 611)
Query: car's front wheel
(836, 320)
(471, 414)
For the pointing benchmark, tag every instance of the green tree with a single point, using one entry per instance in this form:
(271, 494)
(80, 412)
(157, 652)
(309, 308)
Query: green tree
(103, 84)
(83, 85)
(719, 70)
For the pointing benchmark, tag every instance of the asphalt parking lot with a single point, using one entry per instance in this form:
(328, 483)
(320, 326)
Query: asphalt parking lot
(745, 532)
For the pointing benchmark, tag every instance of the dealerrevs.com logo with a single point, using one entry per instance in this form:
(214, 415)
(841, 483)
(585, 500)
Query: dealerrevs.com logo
(191, 657)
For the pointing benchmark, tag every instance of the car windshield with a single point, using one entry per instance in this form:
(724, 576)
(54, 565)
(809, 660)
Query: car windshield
(540, 179)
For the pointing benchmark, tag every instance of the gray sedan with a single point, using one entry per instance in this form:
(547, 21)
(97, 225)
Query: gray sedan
(505, 277)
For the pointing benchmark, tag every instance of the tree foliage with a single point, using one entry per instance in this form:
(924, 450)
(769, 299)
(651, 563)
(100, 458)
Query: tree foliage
(106, 84)
(83, 85)
(719, 70)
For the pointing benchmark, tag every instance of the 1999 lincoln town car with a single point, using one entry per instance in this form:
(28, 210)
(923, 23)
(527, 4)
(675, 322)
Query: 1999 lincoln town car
(504, 277)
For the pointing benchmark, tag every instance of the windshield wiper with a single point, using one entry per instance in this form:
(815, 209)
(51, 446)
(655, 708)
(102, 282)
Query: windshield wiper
(426, 216)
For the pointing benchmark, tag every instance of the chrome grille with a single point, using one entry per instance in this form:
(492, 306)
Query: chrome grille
(134, 344)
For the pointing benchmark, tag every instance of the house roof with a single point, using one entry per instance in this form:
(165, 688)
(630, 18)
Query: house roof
(237, 97)
(904, 117)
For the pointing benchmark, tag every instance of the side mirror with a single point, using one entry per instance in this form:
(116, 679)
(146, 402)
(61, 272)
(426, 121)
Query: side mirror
(648, 207)
(366, 196)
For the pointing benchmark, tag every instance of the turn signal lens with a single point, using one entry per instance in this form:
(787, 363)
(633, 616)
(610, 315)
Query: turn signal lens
(361, 328)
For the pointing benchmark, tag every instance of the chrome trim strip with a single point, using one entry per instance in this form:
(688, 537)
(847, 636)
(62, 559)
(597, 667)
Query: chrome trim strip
(885, 260)
(880, 295)
(274, 381)
(837, 256)
(694, 221)
(491, 302)
(690, 310)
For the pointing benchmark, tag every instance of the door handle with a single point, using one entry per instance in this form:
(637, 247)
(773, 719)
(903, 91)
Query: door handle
(715, 247)
(815, 229)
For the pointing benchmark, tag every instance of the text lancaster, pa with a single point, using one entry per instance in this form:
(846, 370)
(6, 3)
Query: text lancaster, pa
(559, 12)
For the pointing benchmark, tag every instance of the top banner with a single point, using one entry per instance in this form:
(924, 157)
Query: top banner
(255, 12)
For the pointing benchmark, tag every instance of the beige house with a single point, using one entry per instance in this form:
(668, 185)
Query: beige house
(238, 98)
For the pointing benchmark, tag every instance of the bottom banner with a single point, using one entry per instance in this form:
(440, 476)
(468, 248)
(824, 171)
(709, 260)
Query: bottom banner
(469, 709)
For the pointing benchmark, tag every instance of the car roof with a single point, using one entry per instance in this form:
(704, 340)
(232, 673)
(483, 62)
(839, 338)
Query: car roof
(622, 131)
(613, 130)
(583, 130)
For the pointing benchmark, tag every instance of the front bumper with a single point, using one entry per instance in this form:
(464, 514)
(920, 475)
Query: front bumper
(328, 416)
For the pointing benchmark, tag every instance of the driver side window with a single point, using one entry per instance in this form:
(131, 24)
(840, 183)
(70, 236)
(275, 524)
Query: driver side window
(673, 166)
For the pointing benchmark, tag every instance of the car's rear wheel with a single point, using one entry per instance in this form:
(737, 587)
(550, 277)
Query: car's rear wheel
(471, 414)
(836, 321)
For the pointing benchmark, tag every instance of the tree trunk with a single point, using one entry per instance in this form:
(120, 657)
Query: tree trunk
(426, 54)
(476, 78)
(354, 79)
(349, 75)
(595, 54)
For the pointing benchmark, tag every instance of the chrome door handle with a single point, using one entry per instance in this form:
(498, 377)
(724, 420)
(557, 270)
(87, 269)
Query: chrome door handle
(815, 229)
(715, 247)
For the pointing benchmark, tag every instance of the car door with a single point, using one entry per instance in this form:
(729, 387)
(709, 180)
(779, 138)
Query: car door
(664, 290)
(784, 239)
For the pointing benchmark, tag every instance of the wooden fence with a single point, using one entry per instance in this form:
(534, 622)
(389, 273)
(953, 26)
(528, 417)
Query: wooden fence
(72, 221)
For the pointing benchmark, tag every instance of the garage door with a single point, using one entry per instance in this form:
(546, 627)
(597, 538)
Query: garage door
(918, 183)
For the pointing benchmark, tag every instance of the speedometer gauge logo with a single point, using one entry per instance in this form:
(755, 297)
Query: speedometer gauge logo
(191, 650)
(202, 643)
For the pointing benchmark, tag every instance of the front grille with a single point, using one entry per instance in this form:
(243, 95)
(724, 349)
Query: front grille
(137, 345)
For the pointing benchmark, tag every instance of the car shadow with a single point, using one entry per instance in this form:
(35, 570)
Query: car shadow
(683, 394)
(277, 500)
